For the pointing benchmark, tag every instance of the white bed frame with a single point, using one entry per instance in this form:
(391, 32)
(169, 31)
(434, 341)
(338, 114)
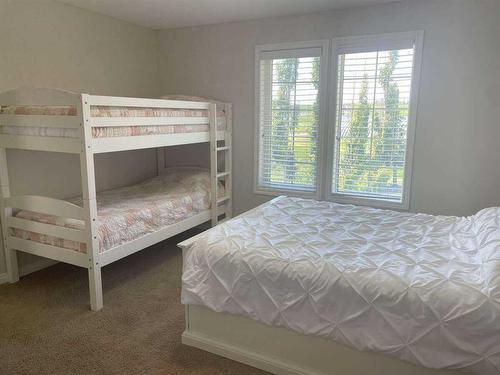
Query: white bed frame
(87, 146)
(285, 352)
(282, 351)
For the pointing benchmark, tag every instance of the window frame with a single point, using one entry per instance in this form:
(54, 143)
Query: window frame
(328, 124)
(324, 45)
(369, 43)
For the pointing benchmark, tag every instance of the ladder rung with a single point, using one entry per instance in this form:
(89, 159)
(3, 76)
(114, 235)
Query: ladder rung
(223, 199)
(223, 174)
(224, 148)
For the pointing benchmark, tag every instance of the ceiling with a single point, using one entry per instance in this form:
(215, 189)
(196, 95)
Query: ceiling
(162, 14)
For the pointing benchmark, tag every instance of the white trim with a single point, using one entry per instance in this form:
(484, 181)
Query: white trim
(288, 192)
(412, 116)
(285, 352)
(283, 48)
(26, 269)
(250, 358)
(365, 201)
(364, 43)
(39, 264)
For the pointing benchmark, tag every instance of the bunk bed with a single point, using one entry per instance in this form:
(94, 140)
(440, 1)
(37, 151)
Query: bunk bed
(84, 231)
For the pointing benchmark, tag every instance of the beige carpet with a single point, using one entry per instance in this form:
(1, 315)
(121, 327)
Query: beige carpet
(46, 326)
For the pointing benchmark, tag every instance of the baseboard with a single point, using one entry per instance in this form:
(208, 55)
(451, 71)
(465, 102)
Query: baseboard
(26, 269)
(39, 264)
(269, 364)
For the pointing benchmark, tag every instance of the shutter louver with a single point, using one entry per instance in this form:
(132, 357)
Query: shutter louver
(373, 100)
(288, 120)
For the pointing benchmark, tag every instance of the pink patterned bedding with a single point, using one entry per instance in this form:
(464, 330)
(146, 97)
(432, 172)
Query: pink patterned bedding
(127, 213)
(105, 111)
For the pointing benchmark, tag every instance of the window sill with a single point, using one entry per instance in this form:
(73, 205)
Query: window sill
(289, 193)
(371, 202)
(336, 198)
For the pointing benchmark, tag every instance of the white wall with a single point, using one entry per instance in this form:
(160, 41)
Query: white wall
(457, 154)
(47, 44)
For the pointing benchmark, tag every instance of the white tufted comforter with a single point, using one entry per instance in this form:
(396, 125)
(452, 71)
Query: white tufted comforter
(422, 288)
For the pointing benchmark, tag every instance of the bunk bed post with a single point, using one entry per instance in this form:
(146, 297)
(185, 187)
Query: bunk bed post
(10, 254)
(212, 118)
(90, 206)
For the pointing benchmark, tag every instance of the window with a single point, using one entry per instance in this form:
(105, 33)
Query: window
(362, 152)
(373, 119)
(288, 94)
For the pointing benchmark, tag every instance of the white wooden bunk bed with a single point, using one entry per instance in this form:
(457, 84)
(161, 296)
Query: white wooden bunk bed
(53, 120)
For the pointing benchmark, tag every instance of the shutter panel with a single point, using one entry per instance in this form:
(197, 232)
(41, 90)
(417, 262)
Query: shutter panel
(289, 119)
(373, 102)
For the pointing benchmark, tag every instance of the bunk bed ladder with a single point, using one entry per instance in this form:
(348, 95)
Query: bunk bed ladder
(215, 174)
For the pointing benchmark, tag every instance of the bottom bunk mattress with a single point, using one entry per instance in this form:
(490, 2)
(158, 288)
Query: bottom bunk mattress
(420, 287)
(130, 212)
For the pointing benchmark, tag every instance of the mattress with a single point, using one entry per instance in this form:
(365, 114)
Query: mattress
(105, 111)
(127, 213)
(423, 288)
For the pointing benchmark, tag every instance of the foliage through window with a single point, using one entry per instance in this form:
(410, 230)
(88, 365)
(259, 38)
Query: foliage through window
(373, 101)
(289, 112)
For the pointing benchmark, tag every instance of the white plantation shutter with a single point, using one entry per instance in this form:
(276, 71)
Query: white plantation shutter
(360, 149)
(373, 102)
(288, 95)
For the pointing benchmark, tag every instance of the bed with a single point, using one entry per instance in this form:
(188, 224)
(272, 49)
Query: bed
(113, 112)
(128, 213)
(98, 229)
(296, 277)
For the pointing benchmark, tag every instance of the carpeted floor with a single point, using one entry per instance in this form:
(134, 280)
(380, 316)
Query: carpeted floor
(46, 326)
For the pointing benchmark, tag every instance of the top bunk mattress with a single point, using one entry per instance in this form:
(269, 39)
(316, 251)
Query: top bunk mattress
(106, 111)
(423, 288)
(130, 212)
